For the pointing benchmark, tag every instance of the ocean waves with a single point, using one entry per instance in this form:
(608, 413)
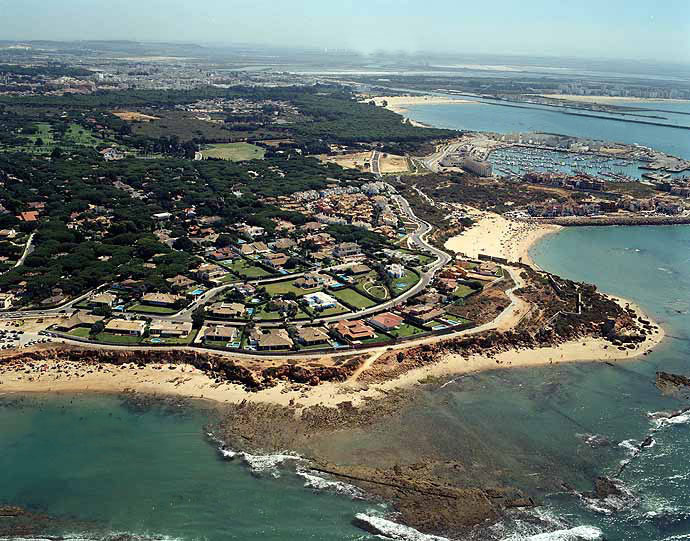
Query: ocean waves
(119, 536)
(539, 524)
(257, 464)
(662, 419)
(322, 484)
(270, 464)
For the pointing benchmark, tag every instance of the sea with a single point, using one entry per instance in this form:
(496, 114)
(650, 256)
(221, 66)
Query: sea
(103, 467)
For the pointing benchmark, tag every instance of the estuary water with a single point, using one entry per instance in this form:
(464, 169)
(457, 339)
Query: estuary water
(507, 119)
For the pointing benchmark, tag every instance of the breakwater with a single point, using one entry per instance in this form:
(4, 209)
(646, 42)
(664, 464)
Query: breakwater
(571, 221)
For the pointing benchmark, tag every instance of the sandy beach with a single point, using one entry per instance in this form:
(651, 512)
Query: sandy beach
(497, 236)
(399, 104)
(586, 350)
(611, 99)
(186, 381)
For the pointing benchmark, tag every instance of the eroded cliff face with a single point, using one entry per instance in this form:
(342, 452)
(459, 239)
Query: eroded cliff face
(253, 376)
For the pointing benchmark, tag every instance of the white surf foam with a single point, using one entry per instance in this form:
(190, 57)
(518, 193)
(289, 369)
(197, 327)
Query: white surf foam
(392, 530)
(632, 446)
(267, 463)
(315, 482)
(518, 525)
(613, 503)
(579, 533)
(257, 463)
(660, 419)
(454, 380)
(82, 537)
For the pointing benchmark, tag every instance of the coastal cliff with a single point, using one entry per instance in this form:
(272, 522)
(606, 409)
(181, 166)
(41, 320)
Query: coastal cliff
(221, 369)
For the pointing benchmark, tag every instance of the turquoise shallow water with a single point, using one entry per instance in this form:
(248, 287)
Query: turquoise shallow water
(104, 467)
(531, 427)
(650, 265)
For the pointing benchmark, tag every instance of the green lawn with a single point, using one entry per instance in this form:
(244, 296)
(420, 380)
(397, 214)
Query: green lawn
(370, 284)
(79, 136)
(406, 330)
(219, 344)
(380, 337)
(173, 341)
(82, 332)
(117, 339)
(261, 314)
(76, 136)
(301, 314)
(455, 320)
(463, 291)
(44, 132)
(146, 309)
(234, 152)
(245, 269)
(288, 286)
(335, 311)
(408, 280)
(353, 298)
(425, 259)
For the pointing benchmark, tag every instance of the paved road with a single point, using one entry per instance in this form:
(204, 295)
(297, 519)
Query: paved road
(63, 308)
(418, 238)
(376, 163)
(183, 315)
(432, 161)
(27, 250)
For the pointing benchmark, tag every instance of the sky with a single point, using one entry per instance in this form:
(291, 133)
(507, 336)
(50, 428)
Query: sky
(630, 29)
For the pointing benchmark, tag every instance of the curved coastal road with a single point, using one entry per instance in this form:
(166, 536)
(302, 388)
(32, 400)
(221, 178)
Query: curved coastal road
(508, 318)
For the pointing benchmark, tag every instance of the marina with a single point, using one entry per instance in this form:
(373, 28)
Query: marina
(515, 161)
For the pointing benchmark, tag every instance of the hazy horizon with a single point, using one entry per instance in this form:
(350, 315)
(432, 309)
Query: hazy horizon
(632, 30)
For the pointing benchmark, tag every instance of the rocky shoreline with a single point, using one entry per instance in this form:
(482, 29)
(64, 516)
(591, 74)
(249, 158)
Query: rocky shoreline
(219, 368)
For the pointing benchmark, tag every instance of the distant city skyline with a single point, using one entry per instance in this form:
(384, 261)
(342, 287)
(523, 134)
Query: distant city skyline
(613, 29)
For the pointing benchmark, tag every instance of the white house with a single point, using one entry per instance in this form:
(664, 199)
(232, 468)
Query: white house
(395, 270)
(320, 300)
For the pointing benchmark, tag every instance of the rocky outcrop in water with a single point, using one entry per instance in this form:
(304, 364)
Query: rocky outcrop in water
(424, 502)
(609, 496)
(604, 487)
(671, 384)
(21, 523)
